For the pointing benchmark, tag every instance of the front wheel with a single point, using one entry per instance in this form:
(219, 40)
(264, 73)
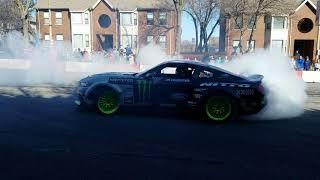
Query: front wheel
(219, 109)
(108, 102)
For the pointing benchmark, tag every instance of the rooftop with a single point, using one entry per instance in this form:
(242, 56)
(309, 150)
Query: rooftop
(122, 5)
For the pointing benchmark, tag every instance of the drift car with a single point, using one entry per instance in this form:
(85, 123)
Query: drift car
(218, 94)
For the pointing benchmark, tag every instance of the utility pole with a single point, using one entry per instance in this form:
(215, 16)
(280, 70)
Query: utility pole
(179, 4)
(50, 25)
(318, 24)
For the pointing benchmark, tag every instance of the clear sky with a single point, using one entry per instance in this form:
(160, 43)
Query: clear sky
(188, 28)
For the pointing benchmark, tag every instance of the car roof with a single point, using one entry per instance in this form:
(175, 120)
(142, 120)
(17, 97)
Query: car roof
(195, 63)
(200, 64)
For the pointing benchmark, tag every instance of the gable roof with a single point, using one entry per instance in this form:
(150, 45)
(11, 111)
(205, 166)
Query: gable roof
(122, 5)
(313, 4)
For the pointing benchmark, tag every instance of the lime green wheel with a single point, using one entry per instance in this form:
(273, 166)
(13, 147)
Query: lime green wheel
(219, 108)
(108, 102)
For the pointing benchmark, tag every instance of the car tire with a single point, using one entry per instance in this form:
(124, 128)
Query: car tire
(107, 102)
(219, 109)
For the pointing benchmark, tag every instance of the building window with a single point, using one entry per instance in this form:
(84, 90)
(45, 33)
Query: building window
(126, 19)
(235, 46)
(135, 20)
(163, 18)
(76, 18)
(58, 18)
(149, 39)
(163, 41)
(47, 37)
(150, 18)
(126, 41)
(104, 21)
(305, 25)
(279, 22)
(252, 45)
(238, 22)
(59, 37)
(134, 41)
(46, 17)
(86, 18)
(78, 41)
(277, 44)
(87, 40)
(46, 42)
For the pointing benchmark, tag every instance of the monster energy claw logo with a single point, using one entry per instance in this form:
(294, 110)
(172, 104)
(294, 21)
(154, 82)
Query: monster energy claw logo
(144, 90)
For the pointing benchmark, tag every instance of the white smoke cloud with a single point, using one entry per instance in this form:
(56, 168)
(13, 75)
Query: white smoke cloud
(152, 55)
(286, 94)
(56, 65)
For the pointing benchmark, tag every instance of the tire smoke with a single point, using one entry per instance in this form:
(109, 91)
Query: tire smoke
(285, 93)
(57, 65)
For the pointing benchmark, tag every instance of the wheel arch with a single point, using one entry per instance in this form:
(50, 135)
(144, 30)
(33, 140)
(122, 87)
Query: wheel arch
(98, 87)
(220, 92)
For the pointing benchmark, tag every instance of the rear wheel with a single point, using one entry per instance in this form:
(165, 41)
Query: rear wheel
(108, 102)
(219, 109)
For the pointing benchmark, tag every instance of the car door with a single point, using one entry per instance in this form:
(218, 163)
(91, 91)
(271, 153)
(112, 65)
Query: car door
(172, 85)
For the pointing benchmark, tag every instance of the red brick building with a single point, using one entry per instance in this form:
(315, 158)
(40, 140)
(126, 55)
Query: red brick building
(287, 33)
(96, 24)
(55, 27)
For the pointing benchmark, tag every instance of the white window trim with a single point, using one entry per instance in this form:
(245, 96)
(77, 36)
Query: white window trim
(59, 35)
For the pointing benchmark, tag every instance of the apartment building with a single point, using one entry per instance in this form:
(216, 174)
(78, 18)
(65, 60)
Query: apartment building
(287, 33)
(105, 24)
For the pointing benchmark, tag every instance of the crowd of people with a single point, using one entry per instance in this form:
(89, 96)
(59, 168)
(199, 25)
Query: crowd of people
(301, 63)
(123, 55)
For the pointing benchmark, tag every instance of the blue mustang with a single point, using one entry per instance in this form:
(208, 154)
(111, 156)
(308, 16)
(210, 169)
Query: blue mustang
(219, 95)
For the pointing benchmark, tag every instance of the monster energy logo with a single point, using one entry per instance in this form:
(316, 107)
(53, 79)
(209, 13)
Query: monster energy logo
(144, 90)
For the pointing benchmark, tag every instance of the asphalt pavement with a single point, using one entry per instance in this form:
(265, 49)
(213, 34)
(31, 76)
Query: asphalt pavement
(44, 136)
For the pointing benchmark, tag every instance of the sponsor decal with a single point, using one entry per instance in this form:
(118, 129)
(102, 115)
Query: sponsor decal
(121, 81)
(225, 85)
(178, 80)
(200, 89)
(245, 92)
(144, 90)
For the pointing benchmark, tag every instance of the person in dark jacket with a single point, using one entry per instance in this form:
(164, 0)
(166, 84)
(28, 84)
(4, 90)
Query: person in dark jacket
(307, 64)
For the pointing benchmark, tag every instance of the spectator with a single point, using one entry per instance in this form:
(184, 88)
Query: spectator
(206, 58)
(219, 60)
(85, 54)
(297, 55)
(307, 64)
(299, 64)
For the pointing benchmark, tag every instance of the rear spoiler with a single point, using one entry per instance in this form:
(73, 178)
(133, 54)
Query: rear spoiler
(255, 77)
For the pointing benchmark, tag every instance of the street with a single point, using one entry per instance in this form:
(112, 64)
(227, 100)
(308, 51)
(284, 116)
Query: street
(44, 136)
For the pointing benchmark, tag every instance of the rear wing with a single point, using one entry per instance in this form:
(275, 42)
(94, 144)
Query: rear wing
(255, 78)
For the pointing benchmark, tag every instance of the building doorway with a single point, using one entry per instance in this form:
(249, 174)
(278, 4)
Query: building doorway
(305, 47)
(105, 41)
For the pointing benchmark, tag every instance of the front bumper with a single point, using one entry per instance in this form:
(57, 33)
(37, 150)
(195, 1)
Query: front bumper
(80, 96)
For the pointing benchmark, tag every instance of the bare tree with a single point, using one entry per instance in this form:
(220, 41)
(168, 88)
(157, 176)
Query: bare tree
(178, 6)
(24, 8)
(9, 17)
(205, 17)
(246, 13)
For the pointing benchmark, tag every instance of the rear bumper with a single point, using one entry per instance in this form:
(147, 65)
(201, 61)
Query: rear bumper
(252, 106)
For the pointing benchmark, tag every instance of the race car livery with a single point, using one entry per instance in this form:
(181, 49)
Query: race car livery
(218, 94)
